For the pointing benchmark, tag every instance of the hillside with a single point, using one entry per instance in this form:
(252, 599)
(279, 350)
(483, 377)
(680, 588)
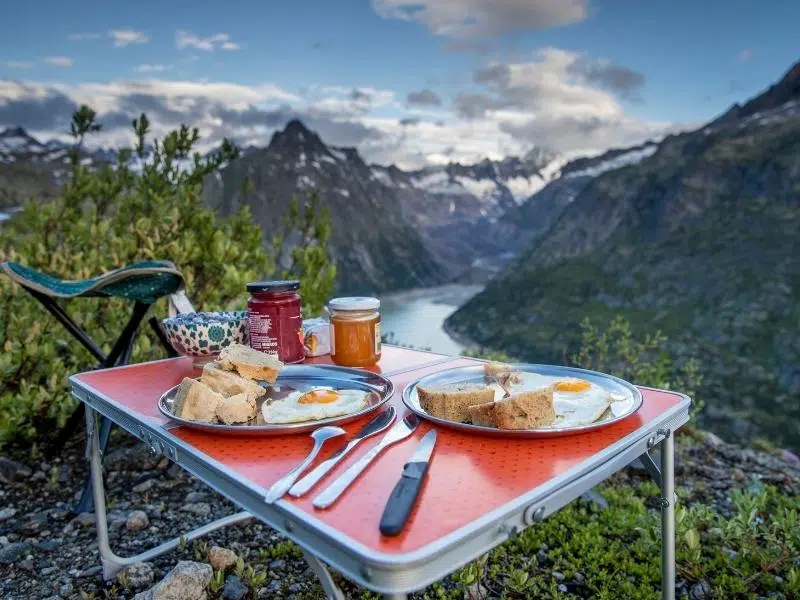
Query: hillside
(701, 240)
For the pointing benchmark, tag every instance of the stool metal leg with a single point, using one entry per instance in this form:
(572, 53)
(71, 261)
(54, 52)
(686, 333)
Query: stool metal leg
(668, 517)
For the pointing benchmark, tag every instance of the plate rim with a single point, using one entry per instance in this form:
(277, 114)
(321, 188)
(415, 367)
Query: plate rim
(526, 433)
(285, 428)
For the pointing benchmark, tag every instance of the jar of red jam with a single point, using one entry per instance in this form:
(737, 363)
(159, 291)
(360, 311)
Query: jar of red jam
(276, 319)
(355, 331)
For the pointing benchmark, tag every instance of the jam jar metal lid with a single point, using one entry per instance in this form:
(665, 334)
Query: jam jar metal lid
(288, 285)
(355, 303)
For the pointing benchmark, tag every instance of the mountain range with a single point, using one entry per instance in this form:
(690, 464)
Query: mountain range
(700, 238)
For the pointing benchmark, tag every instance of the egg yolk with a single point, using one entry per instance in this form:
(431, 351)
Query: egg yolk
(572, 385)
(319, 397)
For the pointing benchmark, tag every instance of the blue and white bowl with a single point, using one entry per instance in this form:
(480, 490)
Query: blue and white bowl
(205, 334)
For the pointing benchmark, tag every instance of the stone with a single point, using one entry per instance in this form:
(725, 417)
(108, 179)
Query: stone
(86, 519)
(28, 565)
(541, 557)
(712, 440)
(579, 578)
(738, 474)
(92, 571)
(7, 513)
(295, 588)
(13, 552)
(277, 564)
(65, 590)
(50, 545)
(201, 509)
(700, 591)
(790, 456)
(234, 589)
(195, 497)
(137, 521)
(47, 571)
(144, 486)
(558, 576)
(729, 552)
(475, 592)
(136, 576)
(595, 498)
(187, 581)
(562, 588)
(11, 470)
(221, 559)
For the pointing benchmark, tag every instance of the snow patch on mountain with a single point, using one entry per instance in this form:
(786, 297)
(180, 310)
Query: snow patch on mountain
(621, 160)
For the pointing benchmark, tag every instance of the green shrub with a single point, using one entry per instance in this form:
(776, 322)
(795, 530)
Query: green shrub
(107, 217)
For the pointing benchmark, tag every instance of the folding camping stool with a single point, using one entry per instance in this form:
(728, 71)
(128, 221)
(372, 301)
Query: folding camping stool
(143, 283)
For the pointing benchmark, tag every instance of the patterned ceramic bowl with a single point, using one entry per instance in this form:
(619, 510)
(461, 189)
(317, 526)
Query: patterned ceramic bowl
(205, 334)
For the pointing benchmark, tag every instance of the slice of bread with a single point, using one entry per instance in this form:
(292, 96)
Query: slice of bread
(526, 410)
(229, 383)
(196, 401)
(236, 409)
(503, 374)
(451, 401)
(250, 363)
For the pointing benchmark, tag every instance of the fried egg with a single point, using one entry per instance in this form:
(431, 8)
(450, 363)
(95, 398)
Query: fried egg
(313, 405)
(576, 401)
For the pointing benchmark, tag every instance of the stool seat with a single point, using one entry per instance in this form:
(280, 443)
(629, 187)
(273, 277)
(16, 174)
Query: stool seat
(144, 281)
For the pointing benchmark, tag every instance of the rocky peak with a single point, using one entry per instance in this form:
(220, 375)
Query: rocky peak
(296, 138)
(786, 90)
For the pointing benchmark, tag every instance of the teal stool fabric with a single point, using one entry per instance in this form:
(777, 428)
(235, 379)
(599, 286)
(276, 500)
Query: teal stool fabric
(144, 281)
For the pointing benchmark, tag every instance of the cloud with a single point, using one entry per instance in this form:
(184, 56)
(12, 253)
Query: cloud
(187, 39)
(470, 19)
(157, 68)
(58, 61)
(409, 121)
(34, 106)
(126, 37)
(613, 77)
(560, 100)
(424, 97)
(18, 64)
(745, 55)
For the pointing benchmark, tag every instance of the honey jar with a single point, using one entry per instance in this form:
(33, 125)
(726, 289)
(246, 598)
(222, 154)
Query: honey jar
(355, 331)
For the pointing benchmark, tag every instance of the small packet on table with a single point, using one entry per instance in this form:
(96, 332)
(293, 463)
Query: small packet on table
(316, 337)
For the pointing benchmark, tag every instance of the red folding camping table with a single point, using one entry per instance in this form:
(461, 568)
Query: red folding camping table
(510, 485)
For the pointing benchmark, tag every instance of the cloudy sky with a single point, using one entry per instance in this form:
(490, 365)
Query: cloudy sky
(406, 81)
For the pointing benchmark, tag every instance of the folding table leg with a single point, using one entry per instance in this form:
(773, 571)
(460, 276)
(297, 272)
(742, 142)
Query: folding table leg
(668, 517)
(113, 564)
(332, 591)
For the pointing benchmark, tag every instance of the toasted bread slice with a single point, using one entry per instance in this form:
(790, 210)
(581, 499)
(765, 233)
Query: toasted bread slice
(526, 410)
(250, 363)
(196, 401)
(236, 409)
(230, 384)
(503, 374)
(451, 401)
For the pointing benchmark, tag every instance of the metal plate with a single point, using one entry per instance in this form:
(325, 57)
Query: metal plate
(618, 410)
(297, 378)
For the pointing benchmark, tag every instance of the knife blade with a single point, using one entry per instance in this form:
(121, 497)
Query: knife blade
(400, 431)
(406, 490)
(375, 425)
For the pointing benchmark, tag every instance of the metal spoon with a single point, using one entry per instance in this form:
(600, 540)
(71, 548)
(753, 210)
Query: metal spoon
(320, 436)
(374, 426)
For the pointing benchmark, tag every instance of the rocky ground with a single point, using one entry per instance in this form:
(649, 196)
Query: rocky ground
(48, 552)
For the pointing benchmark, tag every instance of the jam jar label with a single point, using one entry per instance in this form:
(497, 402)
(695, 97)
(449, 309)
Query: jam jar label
(262, 336)
(377, 337)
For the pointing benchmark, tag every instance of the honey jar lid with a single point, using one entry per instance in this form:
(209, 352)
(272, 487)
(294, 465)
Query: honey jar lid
(355, 303)
(288, 285)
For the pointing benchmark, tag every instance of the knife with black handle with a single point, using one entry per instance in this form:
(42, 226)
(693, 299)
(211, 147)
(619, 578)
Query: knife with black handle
(405, 492)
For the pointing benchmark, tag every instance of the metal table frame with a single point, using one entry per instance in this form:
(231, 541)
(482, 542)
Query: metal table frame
(394, 576)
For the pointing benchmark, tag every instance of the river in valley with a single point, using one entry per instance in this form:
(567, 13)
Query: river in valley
(415, 318)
